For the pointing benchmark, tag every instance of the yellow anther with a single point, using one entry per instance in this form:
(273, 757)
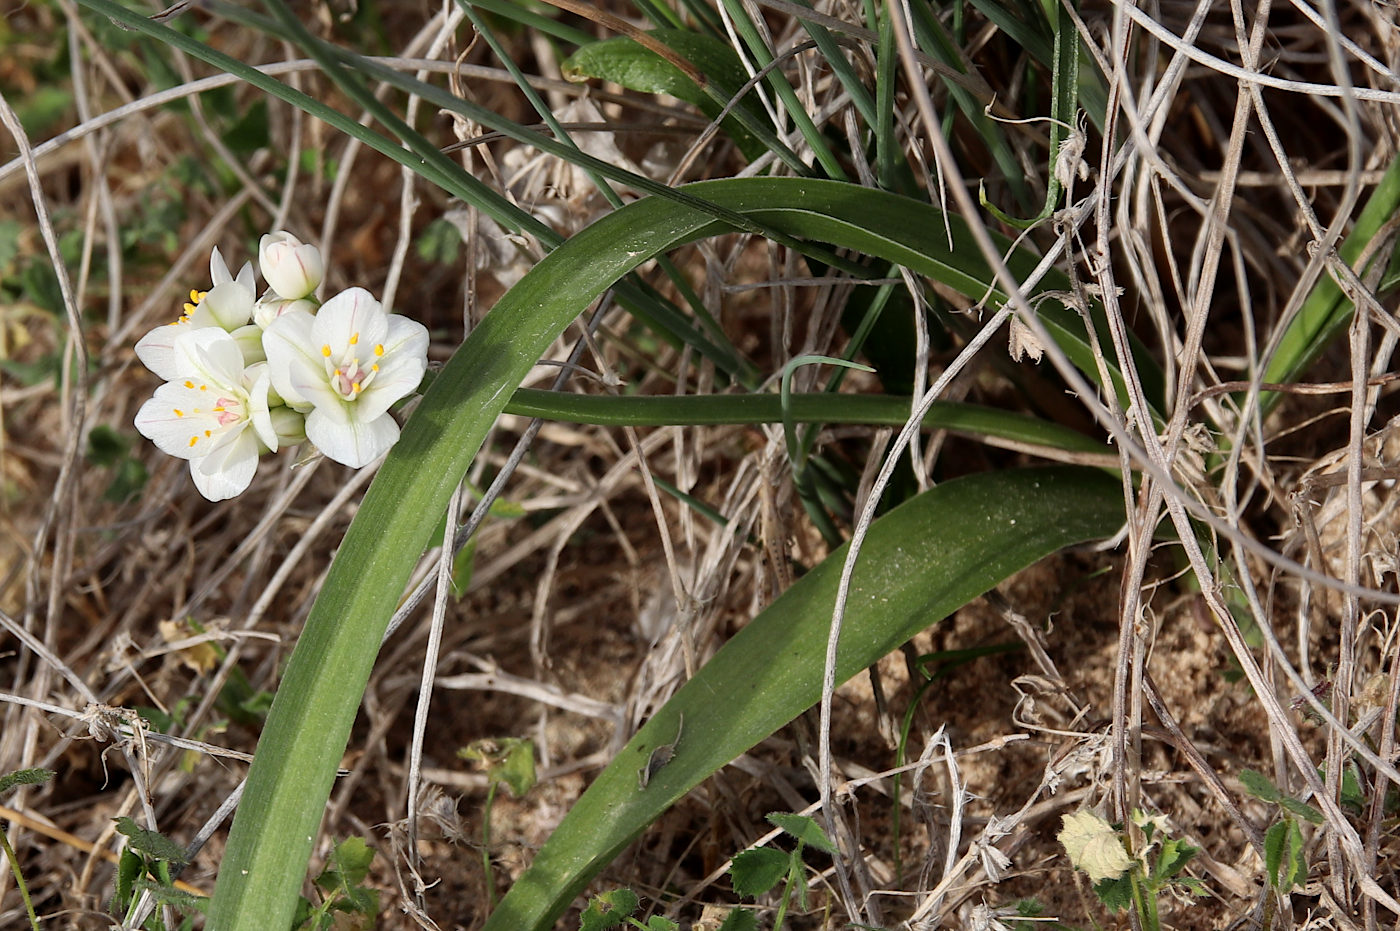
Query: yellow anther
(354, 338)
(193, 440)
(208, 433)
(189, 384)
(326, 351)
(379, 349)
(374, 368)
(178, 412)
(355, 388)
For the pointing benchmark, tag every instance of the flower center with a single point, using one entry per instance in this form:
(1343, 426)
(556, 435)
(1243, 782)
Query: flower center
(349, 374)
(214, 420)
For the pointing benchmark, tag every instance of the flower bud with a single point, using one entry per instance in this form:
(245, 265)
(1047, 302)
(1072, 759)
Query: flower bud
(271, 306)
(292, 268)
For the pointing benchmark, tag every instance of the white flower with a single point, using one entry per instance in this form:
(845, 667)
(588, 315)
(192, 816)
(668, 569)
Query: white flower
(345, 366)
(227, 305)
(292, 268)
(214, 412)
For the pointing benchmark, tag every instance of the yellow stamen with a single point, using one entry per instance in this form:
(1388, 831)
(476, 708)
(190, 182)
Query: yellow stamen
(374, 368)
(355, 388)
(179, 413)
(379, 349)
(193, 440)
(326, 351)
(354, 338)
(189, 384)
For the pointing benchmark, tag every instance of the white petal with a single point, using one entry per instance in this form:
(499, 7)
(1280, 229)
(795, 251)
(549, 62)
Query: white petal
(246, 279)
(179, 420)
(229, 467)
(352, 314)
(218, 269)
(292, 358)
(353, 442)
(227, 306)
(156, 349)
(210, 354)
(258, 410)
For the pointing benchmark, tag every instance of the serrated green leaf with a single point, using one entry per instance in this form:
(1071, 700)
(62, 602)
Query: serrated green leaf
(1172, 859)
(740, 919)
(804, 829)
(608, 910)
(754, 872)
(661, 923)
(1116, 894)
(152, 844)
(1301, 809)
(349, 864)
(24, 777)
(1259, 785)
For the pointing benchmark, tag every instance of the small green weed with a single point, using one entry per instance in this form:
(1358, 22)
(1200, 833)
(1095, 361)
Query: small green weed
(22, 777)
(1122, 881)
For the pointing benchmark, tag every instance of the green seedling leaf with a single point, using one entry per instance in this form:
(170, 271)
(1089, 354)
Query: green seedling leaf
(1352, 796)
(24, 777)
(755, 872)
(986, 528)
(1283, 855)
(1259, 785)
(439, 242)
(349, 864)
(152, 844)
(1302, 810)
(660, 923)
(510, 760)
(804, 829)
(1172, 859)
(740, 920)
(608, 910)
(1115, 894)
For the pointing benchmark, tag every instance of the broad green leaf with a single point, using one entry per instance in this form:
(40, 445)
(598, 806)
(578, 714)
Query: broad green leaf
(804, 829)
(753, 872)
(150, 843)
(1302, 810)
(310, 720)
(1259, 785)
(625, 61)
(920, 562)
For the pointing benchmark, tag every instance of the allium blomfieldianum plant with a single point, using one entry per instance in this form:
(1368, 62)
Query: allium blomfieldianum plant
(247, 375)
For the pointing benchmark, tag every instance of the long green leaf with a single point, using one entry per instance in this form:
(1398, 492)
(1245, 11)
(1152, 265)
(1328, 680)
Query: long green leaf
(920, 562)
(309, 723)
(821, 407)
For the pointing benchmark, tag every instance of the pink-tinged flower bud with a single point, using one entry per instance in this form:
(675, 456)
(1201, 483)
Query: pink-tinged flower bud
(293, 269)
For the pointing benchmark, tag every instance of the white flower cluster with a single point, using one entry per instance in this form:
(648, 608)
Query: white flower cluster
(245, 375)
